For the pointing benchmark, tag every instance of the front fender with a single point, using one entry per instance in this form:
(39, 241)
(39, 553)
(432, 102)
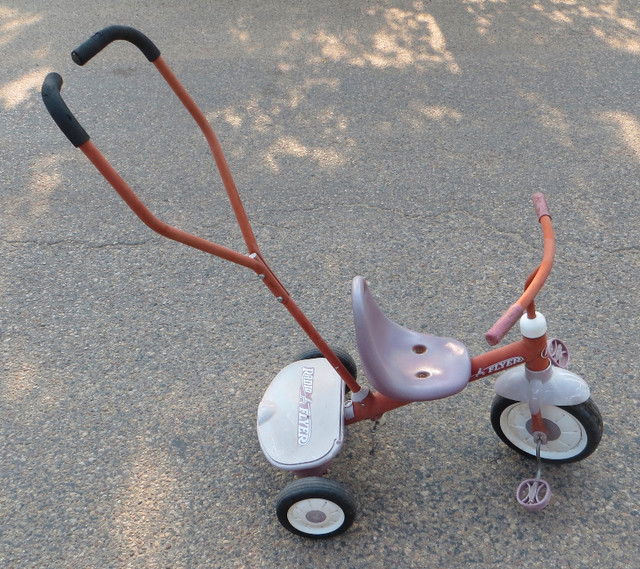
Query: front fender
(561, 388)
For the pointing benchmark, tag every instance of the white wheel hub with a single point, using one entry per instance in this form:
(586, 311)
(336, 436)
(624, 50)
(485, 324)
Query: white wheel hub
(569, 436)
(316, 516)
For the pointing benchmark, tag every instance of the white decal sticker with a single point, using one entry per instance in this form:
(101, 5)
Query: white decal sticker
(499, 366)
(304, 406)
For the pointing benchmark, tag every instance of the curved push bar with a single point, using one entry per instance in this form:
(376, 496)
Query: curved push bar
(98, 41)
(535, 283)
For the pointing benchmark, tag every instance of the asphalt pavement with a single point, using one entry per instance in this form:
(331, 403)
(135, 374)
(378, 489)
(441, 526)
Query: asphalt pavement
(400, 140)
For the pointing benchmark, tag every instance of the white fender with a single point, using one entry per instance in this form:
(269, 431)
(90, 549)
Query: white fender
(554, 386)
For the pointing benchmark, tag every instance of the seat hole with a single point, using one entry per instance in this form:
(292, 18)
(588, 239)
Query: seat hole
(419, 349)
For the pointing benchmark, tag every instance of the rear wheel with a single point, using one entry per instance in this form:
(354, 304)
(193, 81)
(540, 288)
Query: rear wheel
(316, 507)
(341, 354)
(573, 432)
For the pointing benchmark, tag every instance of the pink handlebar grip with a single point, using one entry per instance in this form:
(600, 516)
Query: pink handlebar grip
(504, 324)
(540, 203)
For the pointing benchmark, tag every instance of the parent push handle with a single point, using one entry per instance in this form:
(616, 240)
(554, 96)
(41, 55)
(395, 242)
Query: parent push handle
(535, 282)
(59, 111)
(77, 135)
(98, 41)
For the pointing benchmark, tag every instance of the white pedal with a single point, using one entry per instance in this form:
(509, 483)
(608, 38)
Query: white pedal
(301, 416)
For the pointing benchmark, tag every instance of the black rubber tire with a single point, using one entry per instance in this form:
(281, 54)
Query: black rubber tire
(586, 414)
(342, 355)
(330, 508)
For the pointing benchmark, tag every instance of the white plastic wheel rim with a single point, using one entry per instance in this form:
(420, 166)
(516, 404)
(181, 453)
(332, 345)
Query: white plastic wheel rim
(316, 516)
(571, 442)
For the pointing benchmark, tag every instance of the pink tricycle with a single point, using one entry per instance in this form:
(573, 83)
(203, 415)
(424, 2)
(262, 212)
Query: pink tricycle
(541, 409)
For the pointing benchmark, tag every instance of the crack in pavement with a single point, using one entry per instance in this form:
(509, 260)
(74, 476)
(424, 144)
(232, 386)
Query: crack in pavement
(74, 242)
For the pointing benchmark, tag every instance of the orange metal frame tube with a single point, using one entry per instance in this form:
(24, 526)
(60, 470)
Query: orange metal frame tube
(539, 276)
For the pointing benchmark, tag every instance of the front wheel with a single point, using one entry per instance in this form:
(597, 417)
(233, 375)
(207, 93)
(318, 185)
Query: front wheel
(573, 432)
(316, 507)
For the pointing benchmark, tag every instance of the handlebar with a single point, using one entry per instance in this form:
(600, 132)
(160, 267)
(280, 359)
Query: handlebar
(60, 112)
(540, 203)
(98, 41)
(52, 85)
(515, 311)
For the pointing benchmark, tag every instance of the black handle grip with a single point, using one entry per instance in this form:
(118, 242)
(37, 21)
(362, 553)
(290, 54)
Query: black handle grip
(98, 41)
(60, 112)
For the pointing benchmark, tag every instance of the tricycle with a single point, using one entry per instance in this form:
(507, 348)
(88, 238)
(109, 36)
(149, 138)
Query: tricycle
(541, 409)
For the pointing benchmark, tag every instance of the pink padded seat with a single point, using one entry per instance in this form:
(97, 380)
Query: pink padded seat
(400, 363)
